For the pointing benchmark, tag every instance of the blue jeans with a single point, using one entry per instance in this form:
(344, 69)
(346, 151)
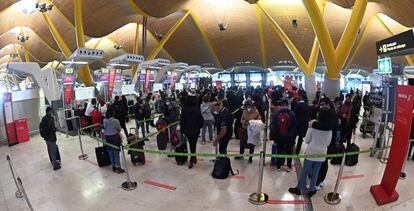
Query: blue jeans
(114, 157)
(209, 124)
(308, 166)
(140, 124)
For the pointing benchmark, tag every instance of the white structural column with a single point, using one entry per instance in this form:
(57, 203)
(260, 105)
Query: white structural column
(331, 88)
(310, 87)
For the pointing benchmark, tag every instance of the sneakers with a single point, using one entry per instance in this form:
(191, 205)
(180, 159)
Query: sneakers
(322, 184)
(316, 187)
(57, 167)
(295, 191)
(279, 169)
(288, 170)
(119, 170)
(203, 142)
(250, 159)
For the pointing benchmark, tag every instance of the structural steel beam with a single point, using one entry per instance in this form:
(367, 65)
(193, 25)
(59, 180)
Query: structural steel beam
(361, 40)
(335, 58)
(84, 73)
(262, 42)
(167, 37)
(138, 29)
(308, 68)
(17, 52)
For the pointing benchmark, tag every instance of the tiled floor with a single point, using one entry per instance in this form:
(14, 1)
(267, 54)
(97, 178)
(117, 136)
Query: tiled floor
(82, 185)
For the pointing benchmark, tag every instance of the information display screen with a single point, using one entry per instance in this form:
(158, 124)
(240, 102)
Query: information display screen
(240, 77)
(225, 77)
(84, 93)
(256, 77)
(128, 89)
(157, 87)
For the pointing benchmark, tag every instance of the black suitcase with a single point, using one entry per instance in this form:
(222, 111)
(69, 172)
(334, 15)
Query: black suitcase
(162, 140)
(136, 157)
(352, 160)
(102, 156)
(181, 148)
(336, 149)
(57, 155)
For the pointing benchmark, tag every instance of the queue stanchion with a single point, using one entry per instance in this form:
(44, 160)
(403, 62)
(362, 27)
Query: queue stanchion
(403, 175)
(83, 156)
(24, 194)
(259, 197)
(334, 198)
(19, 193)
(127, 185)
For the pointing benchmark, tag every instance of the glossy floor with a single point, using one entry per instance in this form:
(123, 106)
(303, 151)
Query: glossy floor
(82, 185)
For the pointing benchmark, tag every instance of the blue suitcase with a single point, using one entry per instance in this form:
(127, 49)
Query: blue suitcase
(274, 152)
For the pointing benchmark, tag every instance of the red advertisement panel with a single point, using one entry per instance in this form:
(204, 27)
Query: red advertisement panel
(147, 80)
(68, 94)
(22, 130)
(8, 119)
(385, 192)
(111, 82)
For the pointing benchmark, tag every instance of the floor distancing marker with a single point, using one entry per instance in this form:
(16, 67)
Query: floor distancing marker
(148, 182)
(353, 176)
(287, 202)
(200, 159)
(237, 177)
(148, 161)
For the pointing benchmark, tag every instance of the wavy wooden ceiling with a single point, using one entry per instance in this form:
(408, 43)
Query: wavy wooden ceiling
(116, 21)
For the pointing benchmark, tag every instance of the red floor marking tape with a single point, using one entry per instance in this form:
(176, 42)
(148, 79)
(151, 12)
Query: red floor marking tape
(237, 177)
(148, 161)
(353, 176)
(160, 185)
(287, 202)
(200, 159)
(91, 162)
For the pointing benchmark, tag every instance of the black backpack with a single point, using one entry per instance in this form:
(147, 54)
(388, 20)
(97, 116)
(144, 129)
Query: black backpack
(44, 129)
(222, 168)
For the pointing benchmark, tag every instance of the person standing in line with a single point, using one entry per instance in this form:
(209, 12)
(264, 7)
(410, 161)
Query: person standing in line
(318, 139)
(224, 125)
(190, 124)
(249, 113)
(303, 113)
(151, 101)
(139, 117)
(346, 121)
(88, 114)
(112, 129)
(120, 113)
(284, 130)
(146, 108)
(208, 119)
(48, 132)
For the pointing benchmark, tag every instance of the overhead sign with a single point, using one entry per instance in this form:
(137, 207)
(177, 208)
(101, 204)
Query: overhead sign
(400, 44)
(397, 68)
(385, 66)
(157, 87)
(128, 89)
(84, 93)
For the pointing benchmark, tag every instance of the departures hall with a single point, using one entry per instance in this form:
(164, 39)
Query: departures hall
(206, 105)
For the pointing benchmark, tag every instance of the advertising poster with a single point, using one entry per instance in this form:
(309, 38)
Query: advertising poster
(111, 82)
(68, 94)
(147, 80)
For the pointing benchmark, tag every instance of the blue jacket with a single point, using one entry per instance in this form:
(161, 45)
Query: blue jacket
(274, 133)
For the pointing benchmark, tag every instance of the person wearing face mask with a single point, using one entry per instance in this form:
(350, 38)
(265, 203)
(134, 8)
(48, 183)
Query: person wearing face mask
(303, 114)
(249, 113)
(346, 120)
(224, 126)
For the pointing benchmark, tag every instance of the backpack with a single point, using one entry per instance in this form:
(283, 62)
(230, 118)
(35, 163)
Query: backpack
(44, 129)
(96, 118)
(222, 168)
(283, 124)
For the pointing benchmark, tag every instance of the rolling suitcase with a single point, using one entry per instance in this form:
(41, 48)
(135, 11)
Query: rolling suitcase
(181, 148)
(136, 157)
(352, 160)
(162, 140)
(274, 152)
(102, 156)
(336, 149)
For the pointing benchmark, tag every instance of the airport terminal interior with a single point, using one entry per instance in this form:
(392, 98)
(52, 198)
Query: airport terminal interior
(206, 105)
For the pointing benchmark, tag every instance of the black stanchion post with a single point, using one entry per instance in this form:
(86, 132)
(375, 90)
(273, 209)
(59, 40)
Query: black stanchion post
(127, 185)
(19, 193)
(83, 156)
(334, 197)
(403, 175)
(24, 194)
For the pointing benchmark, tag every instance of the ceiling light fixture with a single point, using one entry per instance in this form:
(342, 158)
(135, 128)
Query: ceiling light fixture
(118, 47)
(22, 38)
(44, 7)
(74, 62)
(119, 65)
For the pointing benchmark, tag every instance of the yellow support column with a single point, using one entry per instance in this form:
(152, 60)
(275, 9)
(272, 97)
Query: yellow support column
(210, 46)
(136, 47)
(167, 37)
(83, 73)
(262, 42)
(17, 52)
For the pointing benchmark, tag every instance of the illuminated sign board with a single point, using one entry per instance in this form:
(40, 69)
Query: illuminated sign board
(385, 66)
(400, 44)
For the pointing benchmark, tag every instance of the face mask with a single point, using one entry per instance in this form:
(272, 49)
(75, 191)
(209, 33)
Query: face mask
(215, 112)
(167, 103)
(249, 109)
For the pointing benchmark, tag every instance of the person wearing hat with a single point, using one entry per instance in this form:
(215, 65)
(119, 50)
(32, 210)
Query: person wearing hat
(250, 113)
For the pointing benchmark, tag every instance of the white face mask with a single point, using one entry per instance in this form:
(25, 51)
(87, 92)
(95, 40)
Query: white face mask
(215, 112)
(249, 109)
(167, 103)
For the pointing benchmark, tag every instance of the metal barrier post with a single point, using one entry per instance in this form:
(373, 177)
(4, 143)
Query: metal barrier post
(19, 193)
(24, 193)
(259, 197)
(127, 185)
(403, 175)
(334, 197)
(83, 156)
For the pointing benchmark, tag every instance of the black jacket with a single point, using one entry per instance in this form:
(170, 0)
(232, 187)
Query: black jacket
(191, 121)
(303, 114)
(50, 122)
